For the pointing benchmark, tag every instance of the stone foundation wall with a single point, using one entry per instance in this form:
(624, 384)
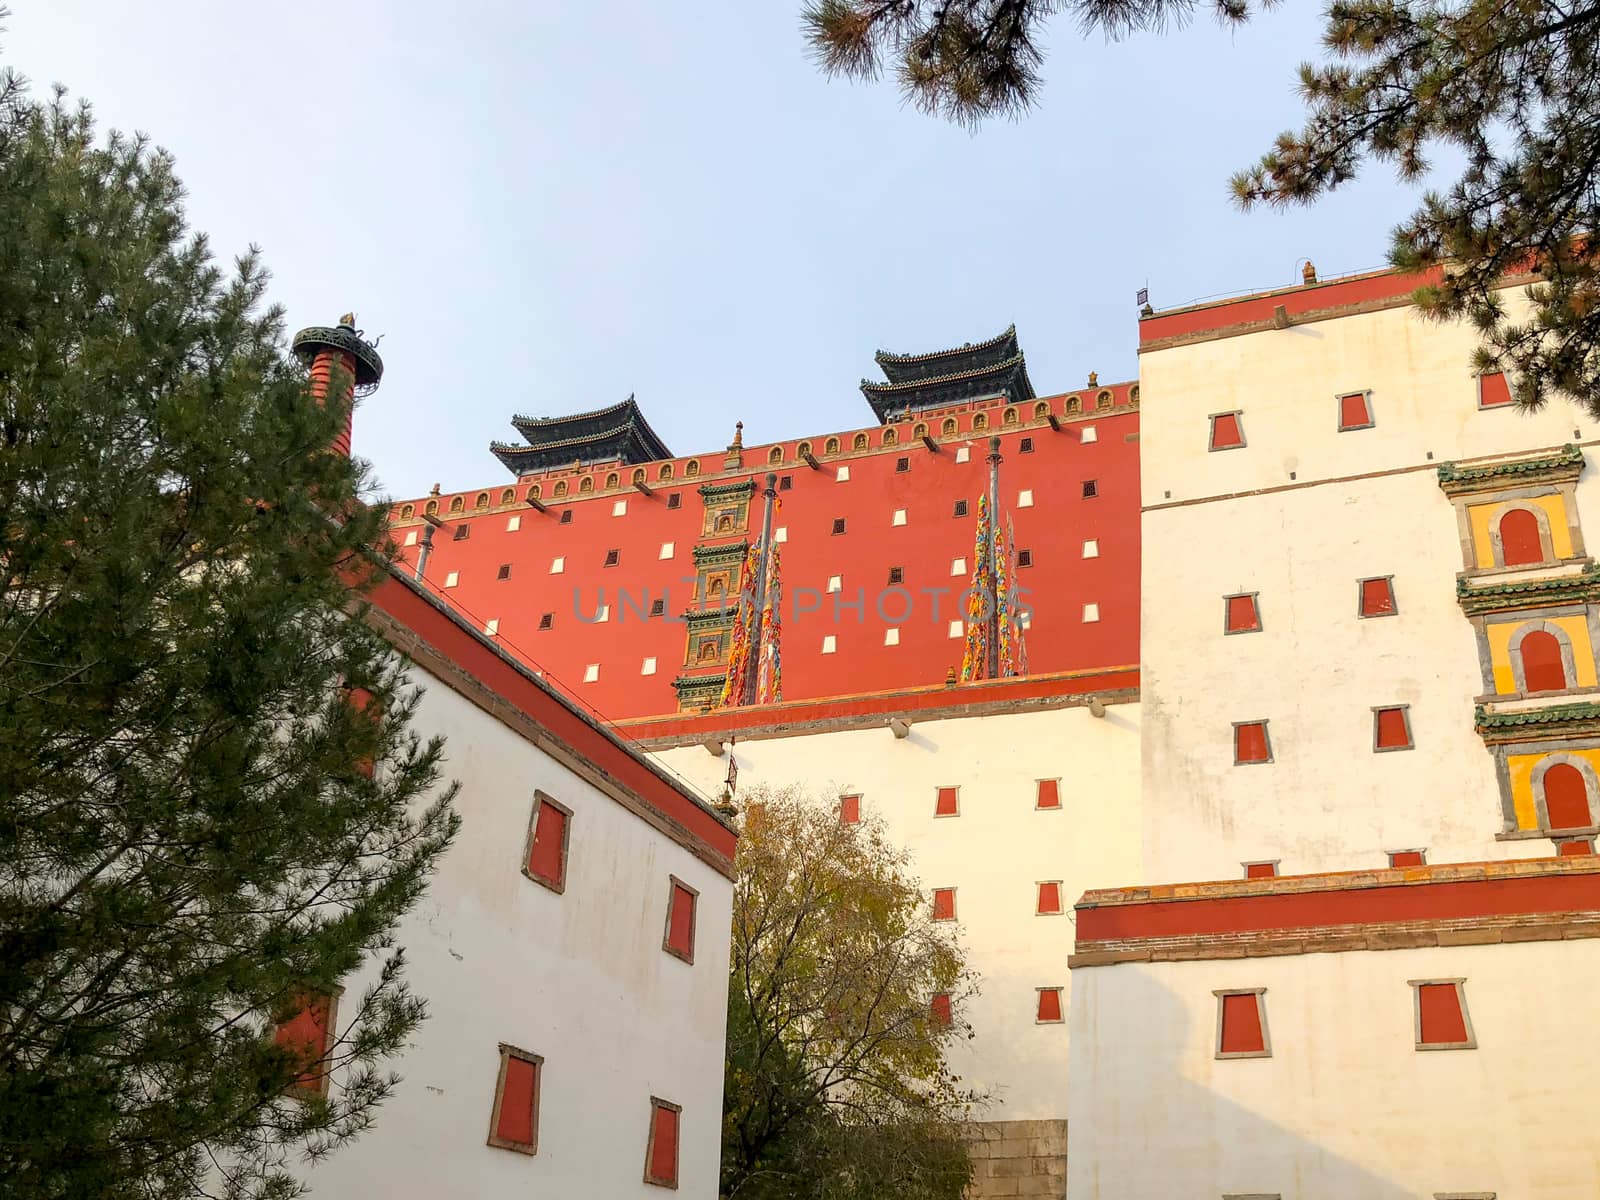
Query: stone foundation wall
(1018, 1158)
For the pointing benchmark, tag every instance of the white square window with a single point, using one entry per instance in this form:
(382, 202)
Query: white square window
(829, 644)
(1088, 434)
(891, 636)
(1091, 612)
(835, 583)
(1091, 548)
(591, 673)
(843, 476)
(667, 550)
(899, 517)
(619, 508)
(1025, 618)
(1025, 498)
(451, 579)
(603, 615)
(780, 534)
(649, 667)
(513, 524)
(492, 626)
(956, 630)
(411, 538)
(962, 454)
(557, 565)
(958, 566)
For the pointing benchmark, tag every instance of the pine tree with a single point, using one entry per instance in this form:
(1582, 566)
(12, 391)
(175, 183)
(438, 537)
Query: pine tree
(1513, 88)
(192, 843)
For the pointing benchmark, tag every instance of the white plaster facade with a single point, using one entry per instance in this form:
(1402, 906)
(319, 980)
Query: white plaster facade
(1345, 1106)
(1298, 515)
(993, 853)
(579, 977)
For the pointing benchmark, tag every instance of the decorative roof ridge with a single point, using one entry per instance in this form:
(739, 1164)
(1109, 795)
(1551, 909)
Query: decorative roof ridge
(1566, 457)
(887, 356)
(557, 444)
(1577, 581)
(727, 488)
(728, 550)
(907, 385)
(519, 419)
(1585, 710)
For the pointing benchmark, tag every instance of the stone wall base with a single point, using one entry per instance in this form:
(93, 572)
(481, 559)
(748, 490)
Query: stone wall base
(1018, 1158)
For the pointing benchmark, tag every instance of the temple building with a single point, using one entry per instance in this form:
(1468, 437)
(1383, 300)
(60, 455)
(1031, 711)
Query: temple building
(1269, 768)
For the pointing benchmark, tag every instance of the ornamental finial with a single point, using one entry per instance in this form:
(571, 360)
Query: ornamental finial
(1308, 273)
(348, 320)
(738, 436)
(1094, 378)
(434, 491)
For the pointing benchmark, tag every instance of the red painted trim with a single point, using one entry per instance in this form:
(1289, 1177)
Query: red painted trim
(441, 631)
(1297, 301)
(1349, 899)
(740, 720)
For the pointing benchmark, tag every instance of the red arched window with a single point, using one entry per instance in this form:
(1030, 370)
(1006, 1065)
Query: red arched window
(1566, 797)
(1519, 538)
(1541, 663)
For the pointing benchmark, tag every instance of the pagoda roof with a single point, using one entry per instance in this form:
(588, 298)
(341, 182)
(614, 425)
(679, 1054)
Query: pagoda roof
(920, 381)
(618, 432)
(901, 368)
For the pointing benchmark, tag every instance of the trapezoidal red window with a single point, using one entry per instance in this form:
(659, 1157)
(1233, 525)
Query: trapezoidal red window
(1355, 411)
(849, 810)
(1441, 1020)
(1407, 858)
(946, 802)
(546, 858)
(1493, 390)
(1261, 870)
(514, 1119)
(939, 1008)
(1227, 430)
(1376, 597)
(678, 940)
(1048, 901)
(309, 1036)
(1242, 613)
(944, 904)
(1251, 743)
(1391, 728)
(1242, 1024)
(1048, 794)
(1048, 1009)
(661, 1151)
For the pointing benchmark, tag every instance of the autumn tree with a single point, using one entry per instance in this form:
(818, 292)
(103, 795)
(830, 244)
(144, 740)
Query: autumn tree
(194, 843)
(844, 1000)
(1512, 89)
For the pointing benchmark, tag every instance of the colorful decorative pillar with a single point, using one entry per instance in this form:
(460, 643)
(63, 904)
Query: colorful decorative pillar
(326, 349)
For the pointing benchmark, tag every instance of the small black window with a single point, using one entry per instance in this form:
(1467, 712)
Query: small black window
(657, 607)
(1089, 489)
(547, 620)
(613, 557)
(1026, 447)
(463, 532)
(1024, 558)
(902, 464)
(504, 572)
(961, 508)
(897, 574)
(566, 516)
(675, 500)
(786, 483)
(838, 524)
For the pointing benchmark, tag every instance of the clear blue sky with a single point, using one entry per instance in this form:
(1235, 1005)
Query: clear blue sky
(543, 207)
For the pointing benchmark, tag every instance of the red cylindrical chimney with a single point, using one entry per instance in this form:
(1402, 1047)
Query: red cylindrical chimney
(324, 349)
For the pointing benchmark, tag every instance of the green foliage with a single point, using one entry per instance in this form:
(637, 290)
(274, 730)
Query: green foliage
(1514, 88)
(837, 1086)
(188, 841)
